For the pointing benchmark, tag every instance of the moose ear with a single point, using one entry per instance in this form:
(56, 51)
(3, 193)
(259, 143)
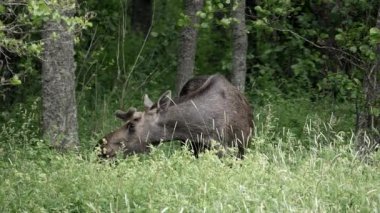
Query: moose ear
(125, 116)
(147, 102)
(164, 101)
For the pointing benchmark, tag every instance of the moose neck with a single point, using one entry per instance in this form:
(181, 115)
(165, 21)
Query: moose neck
(181, 122)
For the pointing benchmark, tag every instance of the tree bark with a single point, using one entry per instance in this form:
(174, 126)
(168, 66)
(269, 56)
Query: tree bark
(59, 114)
(240, 44)
(141, 17)
(368, 126)
(188, 43)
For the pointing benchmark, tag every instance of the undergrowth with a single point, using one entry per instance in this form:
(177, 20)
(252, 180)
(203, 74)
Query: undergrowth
(281, 172)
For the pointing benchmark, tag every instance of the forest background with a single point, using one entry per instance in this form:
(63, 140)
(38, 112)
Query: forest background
(308, 68)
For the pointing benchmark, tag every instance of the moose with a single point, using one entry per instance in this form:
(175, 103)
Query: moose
(209, 113)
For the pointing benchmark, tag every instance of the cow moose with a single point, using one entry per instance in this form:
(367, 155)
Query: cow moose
(209, 110)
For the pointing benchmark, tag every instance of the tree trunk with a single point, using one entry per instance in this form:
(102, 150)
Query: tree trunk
(368, 126)
(188, 43)
(141, 17)
(58, 86)
(240, 43)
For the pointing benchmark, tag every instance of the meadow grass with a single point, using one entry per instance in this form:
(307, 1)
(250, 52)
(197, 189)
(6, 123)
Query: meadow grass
(319, 172)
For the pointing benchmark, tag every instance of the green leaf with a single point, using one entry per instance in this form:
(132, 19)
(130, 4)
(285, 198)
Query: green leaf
(374, 35)
(375, 111)
(225, 21)
(260, 23)
(374, 31)
(204, 25)
(201, 14)
(2, 8)
(357, 81)
(353, 49)
(15, 80)
(262, 11)
(339, 37)
(1, 25)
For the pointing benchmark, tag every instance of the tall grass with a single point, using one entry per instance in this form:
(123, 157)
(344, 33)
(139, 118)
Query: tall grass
(318, 172)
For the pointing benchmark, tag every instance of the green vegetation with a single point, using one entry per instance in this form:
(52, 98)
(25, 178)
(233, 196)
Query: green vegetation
(316, 171)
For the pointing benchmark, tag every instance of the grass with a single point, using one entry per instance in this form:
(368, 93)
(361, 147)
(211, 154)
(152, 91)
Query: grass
(318, 172)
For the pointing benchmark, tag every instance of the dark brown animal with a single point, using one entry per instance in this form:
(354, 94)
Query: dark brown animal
(214, 112)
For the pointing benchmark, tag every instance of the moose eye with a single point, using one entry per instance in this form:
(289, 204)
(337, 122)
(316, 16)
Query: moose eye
(131, 126)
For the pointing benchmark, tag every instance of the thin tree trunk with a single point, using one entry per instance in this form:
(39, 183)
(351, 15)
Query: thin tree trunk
(368, 135)
(58, 86)
(188, 43)
(240, 44)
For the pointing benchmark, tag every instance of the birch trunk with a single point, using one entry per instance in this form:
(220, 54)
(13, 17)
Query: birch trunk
(59, 114)
(240, 44)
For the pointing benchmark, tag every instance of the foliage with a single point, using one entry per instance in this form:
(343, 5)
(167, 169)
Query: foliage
(22, 128)
(20, 43)
(312, 47)
(119, 62)
(296, 49)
